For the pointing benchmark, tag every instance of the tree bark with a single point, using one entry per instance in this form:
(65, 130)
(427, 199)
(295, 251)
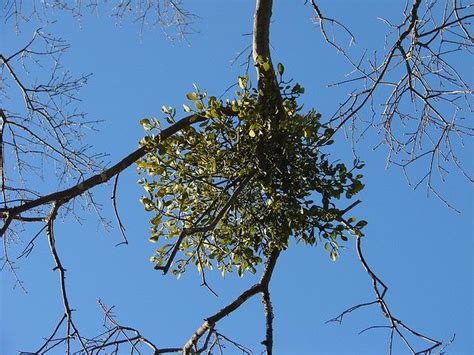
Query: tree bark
(261, 41)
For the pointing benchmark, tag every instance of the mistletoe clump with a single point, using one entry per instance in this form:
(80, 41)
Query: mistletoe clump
(252, 174)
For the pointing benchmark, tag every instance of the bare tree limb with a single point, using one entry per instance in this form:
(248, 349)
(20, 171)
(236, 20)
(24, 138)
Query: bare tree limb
(259, 287)
(427, 100)
(71, 330)
(117, 216)
(396, 325)
(104, 176)
(267, 305)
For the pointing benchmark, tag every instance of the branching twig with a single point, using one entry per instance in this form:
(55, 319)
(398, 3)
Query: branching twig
(259, 287)
(117, 216)
(395, 324)
(86, 185)
(203, 229)
(427, 100)
(71, 330)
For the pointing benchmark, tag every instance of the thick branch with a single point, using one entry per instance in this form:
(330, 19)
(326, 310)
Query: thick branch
(261, 43)
(104, 176)
(267, 305)
(3, 120)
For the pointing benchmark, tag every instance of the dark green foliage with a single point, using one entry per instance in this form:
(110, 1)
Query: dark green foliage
(242, 182)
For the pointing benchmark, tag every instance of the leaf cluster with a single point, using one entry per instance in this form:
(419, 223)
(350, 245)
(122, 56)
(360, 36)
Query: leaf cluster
(250, 176)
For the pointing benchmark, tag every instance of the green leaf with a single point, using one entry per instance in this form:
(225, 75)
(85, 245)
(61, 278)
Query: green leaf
(242, 81)
(147, 203)
(280, 68)
(156, 220)
(198, 105)
(191, 96)
(361, 224)
(357, 186)
(145, 121)
(329, 132)
(198, 167)
(215, 114)
(266, 66)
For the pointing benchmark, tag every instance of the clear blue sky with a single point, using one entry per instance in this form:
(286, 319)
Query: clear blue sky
(420, 248)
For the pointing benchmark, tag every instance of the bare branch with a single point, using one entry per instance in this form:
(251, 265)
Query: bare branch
(396, 325)
(267, 305)
(117, 216)
(427, 101)
(210, 322)
(71, 330)
(72, 192)
(166, 14)
(321, 19)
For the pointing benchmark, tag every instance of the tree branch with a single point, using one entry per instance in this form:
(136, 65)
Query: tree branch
(104, 176)
(210, 322)
(380, 289)
(261, 38)
(267, 306)
(71, 329)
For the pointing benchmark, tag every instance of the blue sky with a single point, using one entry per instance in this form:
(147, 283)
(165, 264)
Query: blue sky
(418, 246)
